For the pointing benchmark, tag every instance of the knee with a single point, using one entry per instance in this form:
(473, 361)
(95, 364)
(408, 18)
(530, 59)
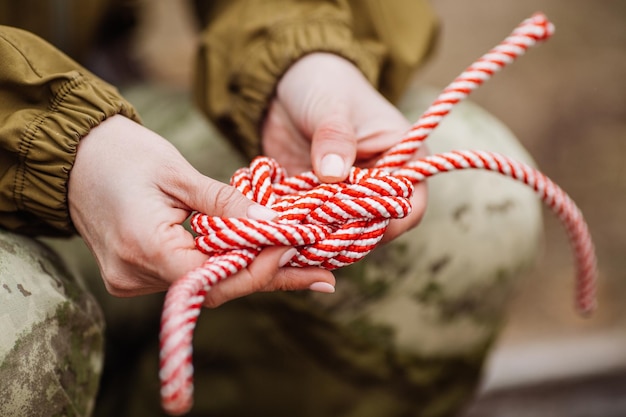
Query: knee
(51, 344)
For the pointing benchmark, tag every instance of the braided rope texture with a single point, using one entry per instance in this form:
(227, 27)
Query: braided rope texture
(333, 225)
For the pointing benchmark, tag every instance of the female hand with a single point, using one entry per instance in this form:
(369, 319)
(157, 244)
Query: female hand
(129, 193)
(327, 117)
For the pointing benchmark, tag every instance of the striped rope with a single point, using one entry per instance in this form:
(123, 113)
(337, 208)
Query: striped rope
(333, 225)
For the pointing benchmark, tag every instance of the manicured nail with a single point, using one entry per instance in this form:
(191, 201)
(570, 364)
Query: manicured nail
(287, 257)
(332, 165)
(324, 287)
(259, 212)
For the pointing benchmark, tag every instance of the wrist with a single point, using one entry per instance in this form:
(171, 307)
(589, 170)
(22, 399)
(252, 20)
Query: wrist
(317, 67)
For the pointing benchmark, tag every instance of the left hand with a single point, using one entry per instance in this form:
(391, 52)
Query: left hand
(129, 193)
(327, 117)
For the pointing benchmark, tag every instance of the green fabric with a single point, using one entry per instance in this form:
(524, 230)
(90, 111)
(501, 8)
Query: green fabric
(51, 334)
(249, 44)
(47, 104)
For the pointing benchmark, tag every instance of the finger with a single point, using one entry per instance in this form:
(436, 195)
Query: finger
(419, 201)
(265, 274)
(215, 198)
(284, 142)
(418, 207)
(249, 280)
(334, 145)
(309, 278)
(181, 257)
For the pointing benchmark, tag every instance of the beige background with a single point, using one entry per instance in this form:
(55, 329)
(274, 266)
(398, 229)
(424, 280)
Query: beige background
(566, 101)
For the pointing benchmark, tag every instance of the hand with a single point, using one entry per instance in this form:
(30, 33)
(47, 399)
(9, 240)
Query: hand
(327, 117)
(129, 192)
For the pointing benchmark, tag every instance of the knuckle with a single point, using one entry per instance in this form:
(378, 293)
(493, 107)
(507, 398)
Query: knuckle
(123, 268)
(334, 131)
(287, 279)
(261, 284)
(119, 285)
(220, 196)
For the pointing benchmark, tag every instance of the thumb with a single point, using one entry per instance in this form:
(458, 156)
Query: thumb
(333, 145)
(215, 198)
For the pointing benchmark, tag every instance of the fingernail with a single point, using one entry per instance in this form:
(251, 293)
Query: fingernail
(287, 257)
(332, 165)
(324, 287)
(259, 212)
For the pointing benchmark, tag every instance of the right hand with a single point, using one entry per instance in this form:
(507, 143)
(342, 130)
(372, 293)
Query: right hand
(326, 116)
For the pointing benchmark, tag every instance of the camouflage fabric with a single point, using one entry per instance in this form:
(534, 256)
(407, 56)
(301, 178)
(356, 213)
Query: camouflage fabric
(405, 334)
(51, 338)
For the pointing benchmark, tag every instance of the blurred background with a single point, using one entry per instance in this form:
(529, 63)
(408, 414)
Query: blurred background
(566, 102)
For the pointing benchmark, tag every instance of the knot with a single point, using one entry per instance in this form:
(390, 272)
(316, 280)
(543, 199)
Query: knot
(331, 225)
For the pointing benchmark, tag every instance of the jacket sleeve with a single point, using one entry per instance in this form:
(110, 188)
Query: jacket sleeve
(247, 45)
(47, 104)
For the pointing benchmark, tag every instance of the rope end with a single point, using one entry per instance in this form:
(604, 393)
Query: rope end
(587, 309)
(177, 408)
(540, 20)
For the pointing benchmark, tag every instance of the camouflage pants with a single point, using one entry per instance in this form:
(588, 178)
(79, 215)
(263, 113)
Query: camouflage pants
(405, 334)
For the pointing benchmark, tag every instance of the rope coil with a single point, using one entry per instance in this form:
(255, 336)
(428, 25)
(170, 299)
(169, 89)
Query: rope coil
(334, 225)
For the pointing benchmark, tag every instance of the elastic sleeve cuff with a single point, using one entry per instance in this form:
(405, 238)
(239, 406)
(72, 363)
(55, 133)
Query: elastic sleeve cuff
(48, 149)
(253, 82)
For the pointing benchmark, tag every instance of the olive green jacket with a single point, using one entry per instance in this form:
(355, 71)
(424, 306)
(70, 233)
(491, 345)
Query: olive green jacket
(48, 102)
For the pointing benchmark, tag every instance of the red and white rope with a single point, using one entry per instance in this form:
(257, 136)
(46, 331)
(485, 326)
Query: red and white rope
(333, 225)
